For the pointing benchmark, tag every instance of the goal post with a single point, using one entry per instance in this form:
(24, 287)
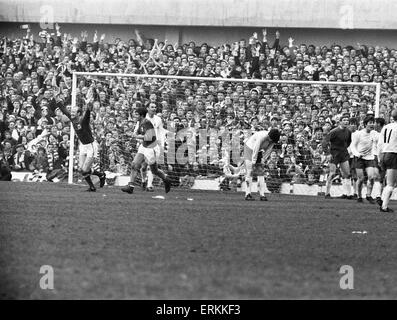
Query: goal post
(71, 139)
(217, 136)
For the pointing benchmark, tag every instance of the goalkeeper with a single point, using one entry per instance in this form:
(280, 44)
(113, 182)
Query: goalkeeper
(256, 148)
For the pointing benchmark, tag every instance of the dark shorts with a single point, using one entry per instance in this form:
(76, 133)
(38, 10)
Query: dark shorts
(352, 162)
(389, 160)
(258, 169)
(340, 157)
(376, 162)
(259, 159)
(363, 164)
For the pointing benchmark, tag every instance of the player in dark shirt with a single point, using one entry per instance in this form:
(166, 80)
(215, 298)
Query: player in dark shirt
(146, 152)
(88, 148)
(339, 140)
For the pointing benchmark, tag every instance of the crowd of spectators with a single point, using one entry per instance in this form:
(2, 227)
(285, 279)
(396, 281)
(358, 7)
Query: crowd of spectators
(36, 69)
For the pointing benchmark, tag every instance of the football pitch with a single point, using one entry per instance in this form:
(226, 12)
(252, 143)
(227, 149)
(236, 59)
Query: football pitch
(191, 245)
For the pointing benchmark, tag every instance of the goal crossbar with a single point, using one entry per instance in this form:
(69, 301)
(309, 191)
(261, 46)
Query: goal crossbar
(257, 81)
(132, 75)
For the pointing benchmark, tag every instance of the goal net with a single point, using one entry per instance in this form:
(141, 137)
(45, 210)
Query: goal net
(206, 121)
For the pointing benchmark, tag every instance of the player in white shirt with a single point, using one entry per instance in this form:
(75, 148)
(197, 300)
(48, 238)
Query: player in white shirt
(387, 155)
(160, 135)
(353, 124)
(379, 172)
(258, 147)
(145, 134)
(362, 147)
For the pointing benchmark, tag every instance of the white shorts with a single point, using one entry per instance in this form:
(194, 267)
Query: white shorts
(151, 154)
(89, 150)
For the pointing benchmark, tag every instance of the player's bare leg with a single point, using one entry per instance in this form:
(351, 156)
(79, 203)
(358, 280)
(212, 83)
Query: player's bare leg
(388, 190)
(248, 180)
(346, 181)
(378, 186)
(354, 180)
(82, 157)
(370, 184)
(155, 170)
(86, 172)
(150, 178)
(262, 187)
(354, 186)
(101, 175)
(331, 174)
(360, 180)
(144, 172)
(135, 170)
(95, 168)
(150, 174)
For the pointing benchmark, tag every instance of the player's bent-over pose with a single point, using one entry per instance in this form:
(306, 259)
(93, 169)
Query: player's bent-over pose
(256, 148)
(88, 147)
(146, 152)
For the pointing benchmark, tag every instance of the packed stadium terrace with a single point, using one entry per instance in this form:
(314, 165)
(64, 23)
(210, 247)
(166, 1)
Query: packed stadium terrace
(38, 68)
